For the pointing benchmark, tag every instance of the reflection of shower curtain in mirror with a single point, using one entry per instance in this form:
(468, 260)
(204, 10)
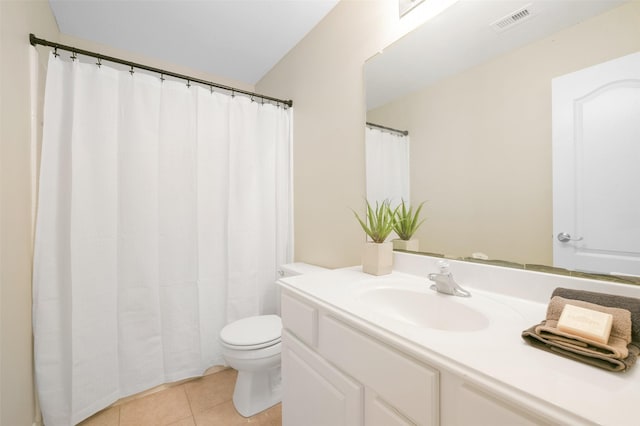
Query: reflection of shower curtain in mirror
(387, 166)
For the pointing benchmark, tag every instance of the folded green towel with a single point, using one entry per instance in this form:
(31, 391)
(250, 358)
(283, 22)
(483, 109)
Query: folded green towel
(616, 346)
(574, 351)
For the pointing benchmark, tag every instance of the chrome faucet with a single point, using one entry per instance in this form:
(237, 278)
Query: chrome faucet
(444, 282)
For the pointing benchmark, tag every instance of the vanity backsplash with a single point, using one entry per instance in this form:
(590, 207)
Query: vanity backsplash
(525, 284)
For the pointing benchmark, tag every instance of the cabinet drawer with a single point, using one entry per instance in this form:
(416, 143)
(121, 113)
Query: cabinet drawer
(300, 318)
(404, 383)
(483, 408)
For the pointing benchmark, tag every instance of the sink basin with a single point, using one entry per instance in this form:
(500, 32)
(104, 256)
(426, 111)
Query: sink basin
(424, 309)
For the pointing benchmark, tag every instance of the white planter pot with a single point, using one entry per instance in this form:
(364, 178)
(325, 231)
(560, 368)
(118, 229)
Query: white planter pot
(377, 258)
(409, 245)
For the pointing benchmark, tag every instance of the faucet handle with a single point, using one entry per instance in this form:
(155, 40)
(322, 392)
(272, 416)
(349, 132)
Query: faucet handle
(444, 266)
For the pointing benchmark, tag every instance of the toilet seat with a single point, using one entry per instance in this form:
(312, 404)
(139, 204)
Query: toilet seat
(252, 333)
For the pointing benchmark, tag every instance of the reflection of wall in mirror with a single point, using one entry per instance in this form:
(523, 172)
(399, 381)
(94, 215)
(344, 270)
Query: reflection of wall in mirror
(481, 141)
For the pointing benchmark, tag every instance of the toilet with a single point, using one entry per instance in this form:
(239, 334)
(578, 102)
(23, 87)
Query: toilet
(252, 346)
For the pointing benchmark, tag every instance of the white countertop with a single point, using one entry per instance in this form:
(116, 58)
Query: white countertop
(495, 357)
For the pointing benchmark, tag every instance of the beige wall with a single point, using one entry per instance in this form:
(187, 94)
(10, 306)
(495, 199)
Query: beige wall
(323, 75)
(17, 20)
(481, 142)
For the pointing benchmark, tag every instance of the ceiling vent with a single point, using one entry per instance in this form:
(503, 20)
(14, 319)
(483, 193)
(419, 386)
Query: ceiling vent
(512, 19)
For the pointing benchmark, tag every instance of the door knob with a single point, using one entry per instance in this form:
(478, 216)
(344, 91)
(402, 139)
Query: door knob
(563, 237)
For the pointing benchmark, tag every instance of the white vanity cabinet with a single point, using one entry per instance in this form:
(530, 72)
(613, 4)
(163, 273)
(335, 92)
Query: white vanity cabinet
(336, 375)
(358, 351)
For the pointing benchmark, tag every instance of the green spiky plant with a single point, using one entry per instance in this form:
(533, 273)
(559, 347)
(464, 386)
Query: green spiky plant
(379, 221)
(406, 222)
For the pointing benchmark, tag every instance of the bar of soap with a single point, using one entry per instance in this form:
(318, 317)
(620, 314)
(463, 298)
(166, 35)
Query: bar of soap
(587, 323)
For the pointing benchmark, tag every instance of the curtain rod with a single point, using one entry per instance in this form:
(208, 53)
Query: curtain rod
(391, 129)
(35, 40)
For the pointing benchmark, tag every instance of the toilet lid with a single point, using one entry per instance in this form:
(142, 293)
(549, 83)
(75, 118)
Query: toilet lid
(253, 331)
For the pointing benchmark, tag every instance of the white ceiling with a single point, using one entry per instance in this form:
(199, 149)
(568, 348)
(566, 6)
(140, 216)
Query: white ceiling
(461, 37)
(235, 39)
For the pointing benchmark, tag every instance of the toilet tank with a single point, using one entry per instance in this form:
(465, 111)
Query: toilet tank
(292, 269)
(298, 268)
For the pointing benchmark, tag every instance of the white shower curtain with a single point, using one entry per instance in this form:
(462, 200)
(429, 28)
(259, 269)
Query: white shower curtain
(387, 166)
(164, 211)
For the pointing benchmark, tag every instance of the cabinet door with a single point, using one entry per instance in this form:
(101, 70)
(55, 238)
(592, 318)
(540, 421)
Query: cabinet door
(314, 392)
(378, 412)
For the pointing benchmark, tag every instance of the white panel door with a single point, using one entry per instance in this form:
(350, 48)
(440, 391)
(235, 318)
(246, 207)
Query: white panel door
(596, 168)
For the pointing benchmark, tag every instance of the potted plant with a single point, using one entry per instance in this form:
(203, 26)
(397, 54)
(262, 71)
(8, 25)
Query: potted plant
(406, 223)
(377, 256)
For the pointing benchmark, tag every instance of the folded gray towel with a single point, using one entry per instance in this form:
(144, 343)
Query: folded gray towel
(616, 346)
(629, 303)
(571, 351)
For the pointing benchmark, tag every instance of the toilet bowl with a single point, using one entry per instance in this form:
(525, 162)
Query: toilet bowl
(252, 346)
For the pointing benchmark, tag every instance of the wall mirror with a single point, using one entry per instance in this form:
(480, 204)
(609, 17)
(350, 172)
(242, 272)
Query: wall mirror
(473, 87)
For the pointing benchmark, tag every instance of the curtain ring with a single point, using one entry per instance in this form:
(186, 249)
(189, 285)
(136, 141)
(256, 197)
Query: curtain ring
(188, 83)
(161, 78)
(55, 52)
(233, 93)
(99, 63)
(131, 71)
(73, 55)
(211, 89)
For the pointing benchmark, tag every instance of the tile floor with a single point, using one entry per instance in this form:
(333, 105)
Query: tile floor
(205, 401)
